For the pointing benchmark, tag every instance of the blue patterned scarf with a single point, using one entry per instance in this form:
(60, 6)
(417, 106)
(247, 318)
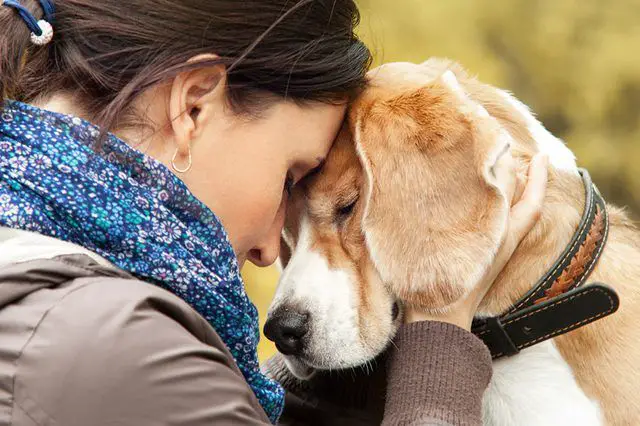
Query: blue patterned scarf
(131, 210)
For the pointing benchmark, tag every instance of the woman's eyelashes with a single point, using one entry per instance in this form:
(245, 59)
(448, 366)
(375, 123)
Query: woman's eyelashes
(289, 183)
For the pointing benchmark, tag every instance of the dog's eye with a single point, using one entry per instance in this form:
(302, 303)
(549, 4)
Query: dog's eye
(347, 209)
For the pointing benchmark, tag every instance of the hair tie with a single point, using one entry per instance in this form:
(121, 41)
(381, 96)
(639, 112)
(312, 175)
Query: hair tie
(41, 31)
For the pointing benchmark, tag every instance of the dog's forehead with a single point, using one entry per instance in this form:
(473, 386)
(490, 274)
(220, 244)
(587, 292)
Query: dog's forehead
(340, 172)
(342, 156)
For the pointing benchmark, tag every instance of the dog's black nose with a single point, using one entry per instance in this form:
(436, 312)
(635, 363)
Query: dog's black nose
(286, 327)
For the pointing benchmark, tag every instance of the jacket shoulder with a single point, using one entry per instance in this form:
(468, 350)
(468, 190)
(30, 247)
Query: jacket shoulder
(118, 350)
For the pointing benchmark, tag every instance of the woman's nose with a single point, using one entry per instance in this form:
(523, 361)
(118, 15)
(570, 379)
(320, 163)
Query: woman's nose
(268, 250)
(265, 255)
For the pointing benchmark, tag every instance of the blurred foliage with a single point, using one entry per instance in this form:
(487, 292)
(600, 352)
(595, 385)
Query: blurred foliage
(261, 284)
(576, 63)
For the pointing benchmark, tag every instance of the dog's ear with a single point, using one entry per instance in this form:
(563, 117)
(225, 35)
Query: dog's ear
(435, 200)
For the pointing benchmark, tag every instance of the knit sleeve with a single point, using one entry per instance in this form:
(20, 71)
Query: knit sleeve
(433, 374)
(436, 374)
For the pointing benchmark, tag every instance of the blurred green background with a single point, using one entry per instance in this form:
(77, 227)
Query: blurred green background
(576, 63)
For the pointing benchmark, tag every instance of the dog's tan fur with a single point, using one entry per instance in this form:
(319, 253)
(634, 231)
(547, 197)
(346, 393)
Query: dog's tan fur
(410, 138)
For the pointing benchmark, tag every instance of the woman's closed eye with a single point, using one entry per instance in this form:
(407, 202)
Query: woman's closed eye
(289, 183)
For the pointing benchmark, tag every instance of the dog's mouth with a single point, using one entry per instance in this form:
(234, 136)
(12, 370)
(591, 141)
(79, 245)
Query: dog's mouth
(299, 367)
(395, 311)
(306, 362)
(304, 366)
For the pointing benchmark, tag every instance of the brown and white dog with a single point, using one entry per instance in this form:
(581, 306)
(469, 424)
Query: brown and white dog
(411, 206)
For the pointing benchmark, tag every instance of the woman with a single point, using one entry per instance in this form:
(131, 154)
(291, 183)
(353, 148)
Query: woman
(120, 297)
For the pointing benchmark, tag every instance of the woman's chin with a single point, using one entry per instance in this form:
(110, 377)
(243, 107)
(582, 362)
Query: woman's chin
(299, 368)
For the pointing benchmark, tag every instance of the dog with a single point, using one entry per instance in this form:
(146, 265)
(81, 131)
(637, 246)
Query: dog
(410, 208)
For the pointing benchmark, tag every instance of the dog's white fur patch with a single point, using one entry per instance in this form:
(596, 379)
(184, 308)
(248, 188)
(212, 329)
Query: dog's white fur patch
(560, 156)
(537, 387)
(330, 297)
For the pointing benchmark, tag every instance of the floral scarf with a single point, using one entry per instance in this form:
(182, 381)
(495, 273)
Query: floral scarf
(131, 210)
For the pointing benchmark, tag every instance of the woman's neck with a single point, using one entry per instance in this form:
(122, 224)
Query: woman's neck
(63, 103)
(138, 136)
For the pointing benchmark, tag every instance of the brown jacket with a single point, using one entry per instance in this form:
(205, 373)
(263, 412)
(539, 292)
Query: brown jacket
(85, 344)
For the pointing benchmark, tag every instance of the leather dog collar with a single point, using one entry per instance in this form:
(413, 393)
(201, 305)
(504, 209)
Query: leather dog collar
(559, 302)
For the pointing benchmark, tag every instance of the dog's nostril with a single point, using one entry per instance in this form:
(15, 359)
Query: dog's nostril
(395, 311)
(286, 328)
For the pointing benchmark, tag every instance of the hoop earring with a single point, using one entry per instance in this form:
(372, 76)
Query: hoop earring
(176, 168)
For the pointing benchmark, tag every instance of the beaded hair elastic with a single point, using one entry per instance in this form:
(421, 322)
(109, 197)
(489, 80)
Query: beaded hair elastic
(41, 30)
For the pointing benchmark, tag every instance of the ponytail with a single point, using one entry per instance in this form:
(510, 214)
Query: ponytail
(20, 30)
(14, 45)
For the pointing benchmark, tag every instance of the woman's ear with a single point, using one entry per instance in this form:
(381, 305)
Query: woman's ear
(197, 96)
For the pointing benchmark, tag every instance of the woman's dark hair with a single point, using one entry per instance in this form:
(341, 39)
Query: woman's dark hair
(110, 51)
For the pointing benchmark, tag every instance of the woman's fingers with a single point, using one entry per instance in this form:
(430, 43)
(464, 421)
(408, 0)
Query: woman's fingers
(526, 212)
(522, 217)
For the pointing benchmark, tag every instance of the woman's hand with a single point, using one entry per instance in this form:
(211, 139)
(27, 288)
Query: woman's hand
(524, 214)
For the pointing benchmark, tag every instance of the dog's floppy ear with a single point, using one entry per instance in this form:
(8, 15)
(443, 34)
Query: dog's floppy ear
(434, 210)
